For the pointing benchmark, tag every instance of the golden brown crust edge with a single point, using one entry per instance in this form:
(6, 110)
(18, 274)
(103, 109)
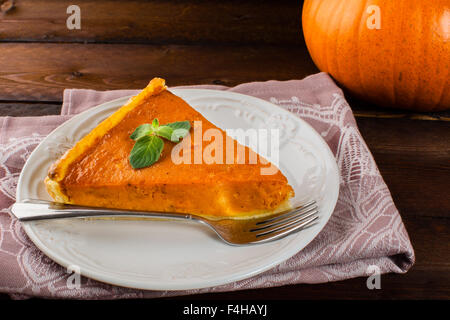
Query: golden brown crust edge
(58, 170)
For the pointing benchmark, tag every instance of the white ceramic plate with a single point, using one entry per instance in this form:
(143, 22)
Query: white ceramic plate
(164, 255)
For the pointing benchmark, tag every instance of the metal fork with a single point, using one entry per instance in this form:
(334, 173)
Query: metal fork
(232, 231)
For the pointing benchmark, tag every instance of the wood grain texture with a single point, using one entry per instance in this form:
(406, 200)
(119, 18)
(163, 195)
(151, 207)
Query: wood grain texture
(21, 109)
(194, 22)
(365, 109)
(414, 159)
(41, 71)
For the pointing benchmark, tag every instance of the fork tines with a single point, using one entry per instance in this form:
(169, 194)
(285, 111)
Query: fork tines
(288, 222)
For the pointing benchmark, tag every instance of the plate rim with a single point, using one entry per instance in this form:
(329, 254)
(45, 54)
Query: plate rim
(27, 226)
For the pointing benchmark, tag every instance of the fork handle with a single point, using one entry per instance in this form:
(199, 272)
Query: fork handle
(31, 210)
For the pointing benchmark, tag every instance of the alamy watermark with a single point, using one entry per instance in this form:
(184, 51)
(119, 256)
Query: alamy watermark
(373, 22)
(73, 22)
(374, 280)
(74, 280)
(213, 146)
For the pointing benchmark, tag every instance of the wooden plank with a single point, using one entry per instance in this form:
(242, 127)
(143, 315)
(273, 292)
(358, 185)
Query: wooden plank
(414, 159)
(27, 109)
(41, 71)
(365, 109)
(396, 114)
(194, 21)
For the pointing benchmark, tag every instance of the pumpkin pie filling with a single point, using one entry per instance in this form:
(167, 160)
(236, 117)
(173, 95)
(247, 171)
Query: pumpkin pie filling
(97, 172)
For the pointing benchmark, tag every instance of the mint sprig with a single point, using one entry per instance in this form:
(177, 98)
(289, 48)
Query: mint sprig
(149, 145)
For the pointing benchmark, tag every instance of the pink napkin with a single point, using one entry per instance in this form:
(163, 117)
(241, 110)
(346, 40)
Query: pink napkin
(364, 231)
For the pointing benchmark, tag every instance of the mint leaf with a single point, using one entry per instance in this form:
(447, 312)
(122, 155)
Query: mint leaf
(155, 123)
(178, 133)
(171, 134)
(186, 125)
(180, 130)
(146, 151)
(142, 130)
(165, 132)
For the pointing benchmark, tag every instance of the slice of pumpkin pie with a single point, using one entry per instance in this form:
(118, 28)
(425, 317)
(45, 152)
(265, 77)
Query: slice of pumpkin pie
(129, 162)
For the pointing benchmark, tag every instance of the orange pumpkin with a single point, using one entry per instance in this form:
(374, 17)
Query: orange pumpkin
(393, 52)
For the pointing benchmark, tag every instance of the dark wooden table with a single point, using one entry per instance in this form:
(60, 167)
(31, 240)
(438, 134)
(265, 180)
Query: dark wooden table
(122, 44)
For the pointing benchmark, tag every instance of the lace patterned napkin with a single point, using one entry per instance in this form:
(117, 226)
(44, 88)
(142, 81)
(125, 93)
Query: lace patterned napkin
(364, 230)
